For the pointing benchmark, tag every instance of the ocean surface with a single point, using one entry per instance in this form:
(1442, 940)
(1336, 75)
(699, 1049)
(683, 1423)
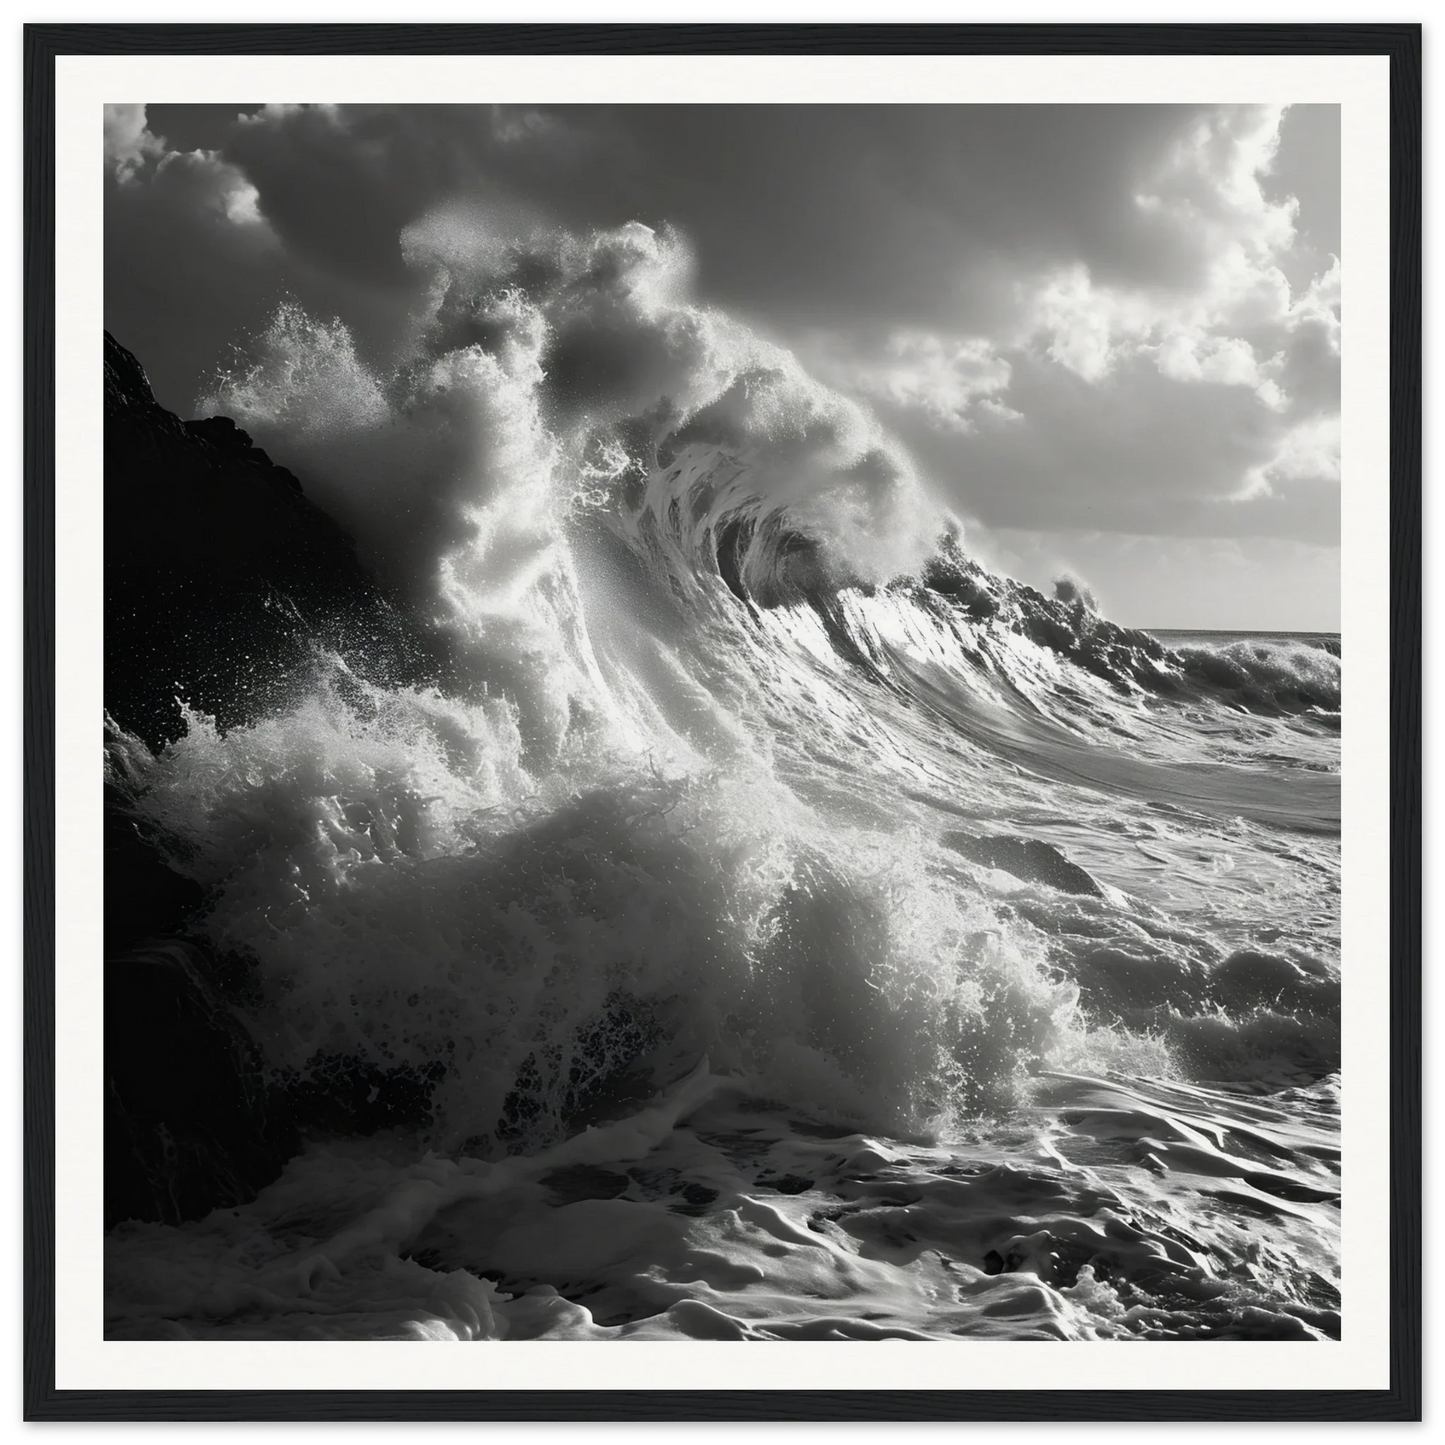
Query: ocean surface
(799, 931)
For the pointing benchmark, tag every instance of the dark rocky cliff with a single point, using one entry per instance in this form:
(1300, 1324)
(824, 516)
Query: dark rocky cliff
(222, 583)
(221, 577)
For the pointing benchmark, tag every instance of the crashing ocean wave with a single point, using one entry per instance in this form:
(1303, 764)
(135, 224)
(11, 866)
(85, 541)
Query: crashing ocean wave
(740, 770)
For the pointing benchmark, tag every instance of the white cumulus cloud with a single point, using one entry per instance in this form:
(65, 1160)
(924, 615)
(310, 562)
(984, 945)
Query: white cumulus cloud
(946, 378)
(1232, 330)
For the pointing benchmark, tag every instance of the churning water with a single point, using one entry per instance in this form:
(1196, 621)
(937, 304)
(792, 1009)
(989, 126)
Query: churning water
(802, 932)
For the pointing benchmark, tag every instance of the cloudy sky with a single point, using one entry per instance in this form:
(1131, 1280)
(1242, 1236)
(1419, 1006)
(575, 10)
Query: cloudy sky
(1108, 335)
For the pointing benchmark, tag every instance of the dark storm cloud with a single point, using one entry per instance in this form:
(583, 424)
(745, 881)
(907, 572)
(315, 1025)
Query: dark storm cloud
(1093, 317)
(327, 192)
(339, 185)
(1308, 169)
(801, 214)
(809, 214)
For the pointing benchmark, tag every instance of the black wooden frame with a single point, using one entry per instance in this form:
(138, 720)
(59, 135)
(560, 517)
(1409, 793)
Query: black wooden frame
(1401, 1401)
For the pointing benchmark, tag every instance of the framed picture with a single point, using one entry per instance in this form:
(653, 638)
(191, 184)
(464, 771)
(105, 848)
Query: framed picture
(761, 698)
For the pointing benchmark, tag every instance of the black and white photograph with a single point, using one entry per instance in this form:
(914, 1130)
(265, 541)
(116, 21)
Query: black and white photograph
(723, 722)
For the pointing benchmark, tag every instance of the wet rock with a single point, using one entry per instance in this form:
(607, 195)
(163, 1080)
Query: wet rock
(144, 897)
(192, 1122)
(189, 1123)
(339, 1096)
